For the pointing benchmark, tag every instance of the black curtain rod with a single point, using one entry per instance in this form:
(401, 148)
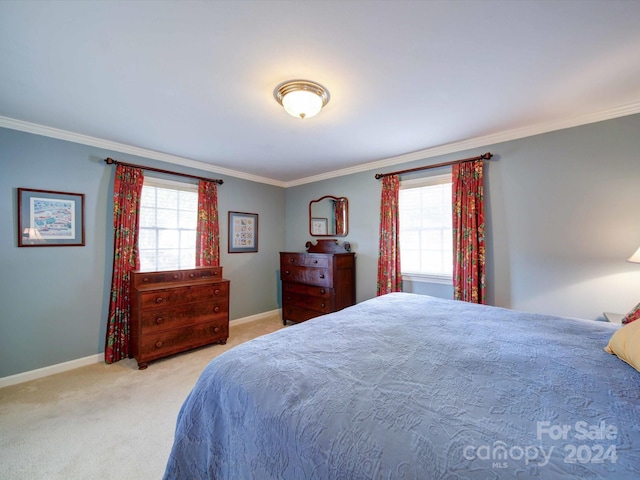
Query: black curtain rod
(111, 161)
(484, 156)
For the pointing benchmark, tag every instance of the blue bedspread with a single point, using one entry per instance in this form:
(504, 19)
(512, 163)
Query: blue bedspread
(413, 387)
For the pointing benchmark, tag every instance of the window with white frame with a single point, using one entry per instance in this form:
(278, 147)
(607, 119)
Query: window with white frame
(168, 221)
(426, 244)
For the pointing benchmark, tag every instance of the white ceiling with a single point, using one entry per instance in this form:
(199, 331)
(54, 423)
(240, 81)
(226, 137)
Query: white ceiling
(194, 80)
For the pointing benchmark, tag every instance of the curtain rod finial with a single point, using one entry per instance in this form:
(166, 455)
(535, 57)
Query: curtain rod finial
(109, 161)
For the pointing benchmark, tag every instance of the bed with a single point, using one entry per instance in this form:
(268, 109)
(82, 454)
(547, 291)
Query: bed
(409, 386)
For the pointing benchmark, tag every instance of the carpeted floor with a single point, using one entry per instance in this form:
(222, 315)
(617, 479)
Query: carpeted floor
(103, 421)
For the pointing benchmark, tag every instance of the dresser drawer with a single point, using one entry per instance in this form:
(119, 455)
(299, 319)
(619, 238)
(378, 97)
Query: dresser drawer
(313, 290)
(306, 260)
(181, 295)
(297, 314)
(317, 304)
(313, 276)
(164, 318)
(154, 278)
(177, 340)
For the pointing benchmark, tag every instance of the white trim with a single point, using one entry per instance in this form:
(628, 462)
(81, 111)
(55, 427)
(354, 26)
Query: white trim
(423, 278)
(477, 142)
(99, 358)
(454, 147)
(440, 179)
(36, 129)
(256, 317)
(172, 184)
(51, 370)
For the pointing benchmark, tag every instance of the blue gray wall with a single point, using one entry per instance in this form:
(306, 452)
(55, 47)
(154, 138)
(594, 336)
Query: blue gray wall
(54, 299)
(562, 212)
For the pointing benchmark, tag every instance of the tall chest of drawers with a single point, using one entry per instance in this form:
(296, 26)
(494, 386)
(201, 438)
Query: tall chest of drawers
(319, 281)
(174, 311)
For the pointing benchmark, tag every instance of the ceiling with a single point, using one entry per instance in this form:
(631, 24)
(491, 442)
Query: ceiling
(193, 81)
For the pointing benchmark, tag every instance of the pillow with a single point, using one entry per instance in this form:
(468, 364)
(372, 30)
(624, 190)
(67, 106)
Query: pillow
(632, 315)
(625, 344)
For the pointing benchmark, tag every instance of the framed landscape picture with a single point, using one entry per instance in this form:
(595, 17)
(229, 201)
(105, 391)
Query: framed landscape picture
(50, 219)
(243, 232)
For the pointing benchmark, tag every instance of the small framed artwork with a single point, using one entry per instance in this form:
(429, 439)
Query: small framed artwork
(50, 219)
(243, 232)
(319, 226)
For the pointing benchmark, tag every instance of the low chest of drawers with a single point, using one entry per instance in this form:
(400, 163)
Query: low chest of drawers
(319, 281)
(174, 311)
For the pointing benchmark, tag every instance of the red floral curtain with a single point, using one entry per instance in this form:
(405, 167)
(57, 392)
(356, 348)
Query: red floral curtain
(127, 190)
(468, 232)
(208, 230)
(389, 276)
(338, 214)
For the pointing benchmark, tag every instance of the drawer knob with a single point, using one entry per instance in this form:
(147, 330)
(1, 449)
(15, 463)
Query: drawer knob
(322, 275)
(292, 259)
(159, 320)
(322, 291)
(288, 298)
(216, 309)
(216, 329)
(315, 261)
(158, 344)
(176, 276)
(323, 305)
(191, 275)
(145, 279)
(216, 291)
(159, 300)
(287, 272)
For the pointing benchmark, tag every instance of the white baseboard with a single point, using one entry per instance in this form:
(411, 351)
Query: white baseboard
(98, 358)
(256, 317)
(51, 370)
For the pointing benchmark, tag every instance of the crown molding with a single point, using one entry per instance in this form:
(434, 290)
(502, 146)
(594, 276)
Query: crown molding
(59, 134)
(454, 147)
(477, 142)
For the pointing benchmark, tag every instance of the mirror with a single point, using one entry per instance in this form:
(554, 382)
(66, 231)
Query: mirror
(329, 216)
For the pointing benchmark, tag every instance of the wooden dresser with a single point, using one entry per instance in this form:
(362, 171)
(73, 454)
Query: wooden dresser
(177, 310)
(321, 280)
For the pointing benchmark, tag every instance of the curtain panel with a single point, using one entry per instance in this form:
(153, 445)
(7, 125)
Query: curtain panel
(338, 214)
(127, 190)
(389, 275)
(468, 232)
(208, 228)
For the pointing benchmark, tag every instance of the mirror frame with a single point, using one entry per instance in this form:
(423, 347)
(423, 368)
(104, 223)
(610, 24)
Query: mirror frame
(346, 216)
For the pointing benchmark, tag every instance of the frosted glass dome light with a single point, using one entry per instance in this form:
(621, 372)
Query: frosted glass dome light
(301, 98)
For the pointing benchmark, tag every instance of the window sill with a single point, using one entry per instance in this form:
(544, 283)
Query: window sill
(420, 277)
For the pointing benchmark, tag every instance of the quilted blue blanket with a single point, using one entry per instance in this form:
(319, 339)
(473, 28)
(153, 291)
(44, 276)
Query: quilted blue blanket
(414, 387)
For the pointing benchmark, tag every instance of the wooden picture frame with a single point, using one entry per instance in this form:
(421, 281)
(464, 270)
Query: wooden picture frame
(50, 219)
(243, 232)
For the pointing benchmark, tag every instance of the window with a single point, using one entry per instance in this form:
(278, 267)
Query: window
(426, 249)
(168, 221)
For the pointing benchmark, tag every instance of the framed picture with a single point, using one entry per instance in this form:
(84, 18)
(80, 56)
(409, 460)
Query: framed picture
(50, 219)
(318, 226)
(243, 232)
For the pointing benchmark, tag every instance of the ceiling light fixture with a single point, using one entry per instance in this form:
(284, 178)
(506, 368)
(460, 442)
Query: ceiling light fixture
(301, 98)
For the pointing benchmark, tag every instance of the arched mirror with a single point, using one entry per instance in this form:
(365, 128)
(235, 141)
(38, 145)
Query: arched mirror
(329, 216)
